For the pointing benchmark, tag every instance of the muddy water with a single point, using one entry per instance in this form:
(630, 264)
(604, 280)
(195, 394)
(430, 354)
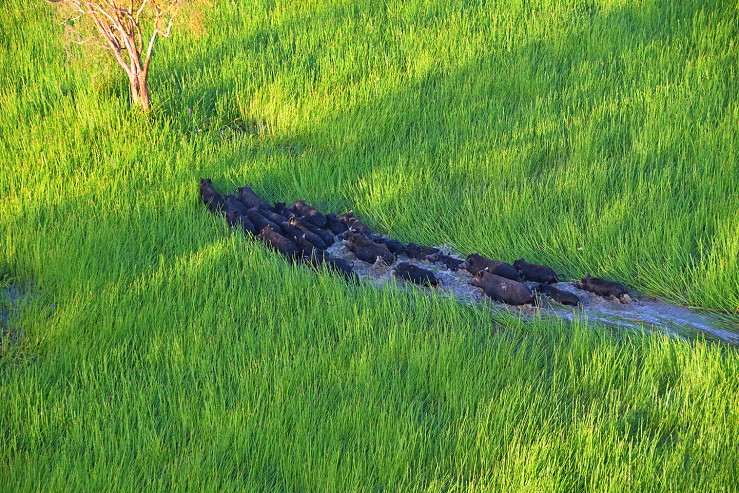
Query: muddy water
(650, 315)
(641, 314)
(10, 297)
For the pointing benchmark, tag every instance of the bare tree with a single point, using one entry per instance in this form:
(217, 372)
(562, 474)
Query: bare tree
(123, 27)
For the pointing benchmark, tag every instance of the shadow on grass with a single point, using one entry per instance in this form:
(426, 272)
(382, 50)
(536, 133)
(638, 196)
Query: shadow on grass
(480, 156)
(506, 139)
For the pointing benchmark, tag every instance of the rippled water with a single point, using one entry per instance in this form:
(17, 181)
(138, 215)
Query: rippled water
(650, 315)
(641, 314)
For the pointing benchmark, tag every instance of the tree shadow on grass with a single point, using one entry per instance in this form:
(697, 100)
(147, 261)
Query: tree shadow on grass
(496, 138)
(477, 156)
(505, 139)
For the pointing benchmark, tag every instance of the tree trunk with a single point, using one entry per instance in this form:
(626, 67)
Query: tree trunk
(139, 90)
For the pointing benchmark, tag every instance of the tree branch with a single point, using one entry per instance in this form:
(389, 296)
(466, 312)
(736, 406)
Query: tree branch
(114, 45)
(141, 9)
(158, 31)
(122, 27)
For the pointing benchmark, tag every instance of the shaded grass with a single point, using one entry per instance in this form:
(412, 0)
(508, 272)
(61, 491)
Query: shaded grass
(594, 136)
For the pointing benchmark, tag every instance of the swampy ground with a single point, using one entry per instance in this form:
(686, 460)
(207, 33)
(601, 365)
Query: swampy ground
(162, 352)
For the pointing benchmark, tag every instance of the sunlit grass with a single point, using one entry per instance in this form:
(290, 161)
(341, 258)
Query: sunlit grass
(162, 351)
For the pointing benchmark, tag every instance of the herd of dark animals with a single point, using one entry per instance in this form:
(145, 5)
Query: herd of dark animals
(303, 234)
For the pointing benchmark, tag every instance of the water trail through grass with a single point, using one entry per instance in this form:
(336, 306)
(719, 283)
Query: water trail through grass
(641, 314)
(653, 315)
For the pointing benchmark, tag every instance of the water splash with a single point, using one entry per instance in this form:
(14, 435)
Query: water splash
(641, 314)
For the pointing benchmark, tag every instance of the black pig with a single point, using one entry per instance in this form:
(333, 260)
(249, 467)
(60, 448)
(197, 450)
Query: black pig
(301, 209)
(415, 274)
(368, 251)
(295, 223)
(332, 263)
(419, 252)
(336, 226)
(354, 224)
(276, 241)
(475, 263)
(231, 203)
(394, 246)
(233, 219)
(450, 262)
(326, 236)
(603, 287)
(534, 272)
(260, 221)
(558, 295)
(503, 289)
(272, 216)
(307, 248)
(251, 199)
(210, 196)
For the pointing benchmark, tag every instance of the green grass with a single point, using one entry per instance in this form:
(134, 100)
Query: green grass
(161, 351)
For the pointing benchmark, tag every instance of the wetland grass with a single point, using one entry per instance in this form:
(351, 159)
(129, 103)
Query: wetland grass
(163, 352)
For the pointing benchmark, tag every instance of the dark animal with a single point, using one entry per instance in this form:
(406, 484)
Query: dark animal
(368, 251)
(235, 220)
(419, 252)
(354, 224)
(334, 264)
(450, 262)
(290, 231)
(301, 209)
(307, 248)
(326, 236)
(231, 203)
(310, 235)
(475, 263)
(394, 246)
(347, 218)
(503, 289)
(360, 227)
(251, 199)
(415, 274)
(558, 295)
(276, 241)
(210, 196)
(335, 225)
(602, 287)
(272, 216)
(534, 272)
(260, 221)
